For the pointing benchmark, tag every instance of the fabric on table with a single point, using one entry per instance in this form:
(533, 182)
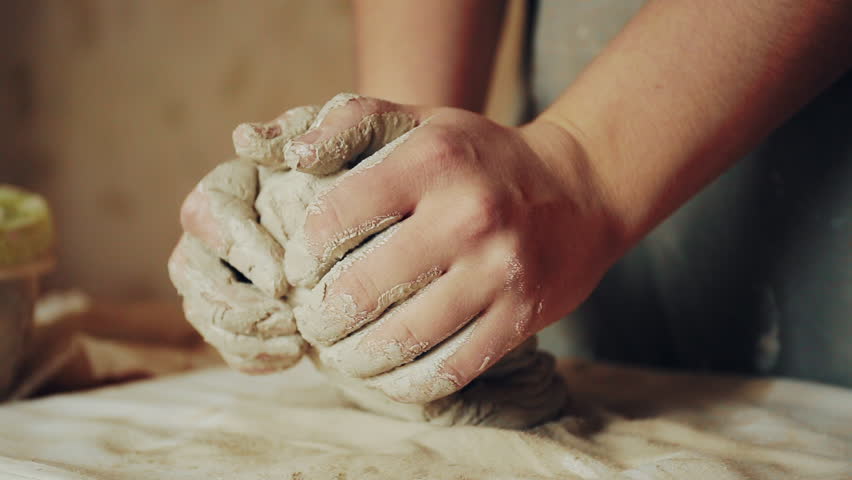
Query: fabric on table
(79, 343)
(630, 424)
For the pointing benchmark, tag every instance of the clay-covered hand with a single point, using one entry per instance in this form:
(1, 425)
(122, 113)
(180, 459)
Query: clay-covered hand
(477, 236)
(227, 267)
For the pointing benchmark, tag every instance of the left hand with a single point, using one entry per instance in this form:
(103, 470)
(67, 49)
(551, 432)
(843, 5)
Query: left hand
(228, 267)
(499, 232)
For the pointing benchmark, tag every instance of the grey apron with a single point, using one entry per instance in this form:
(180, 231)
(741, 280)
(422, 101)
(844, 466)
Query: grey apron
(752, 275)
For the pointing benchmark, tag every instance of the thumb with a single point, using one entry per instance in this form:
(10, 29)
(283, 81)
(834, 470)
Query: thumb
(348, 127)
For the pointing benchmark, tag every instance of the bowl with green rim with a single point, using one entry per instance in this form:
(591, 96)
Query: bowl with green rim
(26, 253)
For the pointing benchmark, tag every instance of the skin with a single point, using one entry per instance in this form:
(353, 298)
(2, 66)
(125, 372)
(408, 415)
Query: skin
(523, 222)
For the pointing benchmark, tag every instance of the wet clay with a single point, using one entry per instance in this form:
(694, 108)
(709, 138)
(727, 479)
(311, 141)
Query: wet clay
(519, 391)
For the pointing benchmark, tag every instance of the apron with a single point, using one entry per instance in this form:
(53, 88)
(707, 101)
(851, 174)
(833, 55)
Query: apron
(752, 275)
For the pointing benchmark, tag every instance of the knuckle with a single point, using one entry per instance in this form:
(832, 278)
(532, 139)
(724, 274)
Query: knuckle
(358, 285)
(455, 374)
(191, 211)
(412, 342)
(508, 262)
(363, 106)
(328, 222)
(480, 216)
(347, 109)
(197, 219)
(446, 146)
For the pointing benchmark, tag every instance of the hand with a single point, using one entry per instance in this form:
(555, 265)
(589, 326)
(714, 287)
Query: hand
(224, 245)
(497, 232)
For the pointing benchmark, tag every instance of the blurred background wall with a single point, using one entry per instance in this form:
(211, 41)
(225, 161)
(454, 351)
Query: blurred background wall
(114, 109)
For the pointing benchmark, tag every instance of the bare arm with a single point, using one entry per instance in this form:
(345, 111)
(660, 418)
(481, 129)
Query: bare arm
(438, 52)
(687, 88)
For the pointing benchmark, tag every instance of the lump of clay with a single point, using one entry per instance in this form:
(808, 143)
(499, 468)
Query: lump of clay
(521, 390)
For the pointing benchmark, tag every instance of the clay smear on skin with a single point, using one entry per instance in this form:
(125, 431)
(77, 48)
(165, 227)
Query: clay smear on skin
(515, 283)
(361, 252)
(425, 378)
(375, 129)
(407, 353)
(229, 191)
(349, 238)
(266, 142)
(404, 290)
(318, 205)
(360, 355)
(336, 102)
(258, 140)
(342, 242)
(514, 275)
(485, 363)
(342, 308)
(343, 305)
(294, 150)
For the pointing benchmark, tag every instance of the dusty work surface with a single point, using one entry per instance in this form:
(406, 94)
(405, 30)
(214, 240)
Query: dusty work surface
(632, 424)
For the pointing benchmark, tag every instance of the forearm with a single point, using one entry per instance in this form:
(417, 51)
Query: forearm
(437, 52)
(685, 90)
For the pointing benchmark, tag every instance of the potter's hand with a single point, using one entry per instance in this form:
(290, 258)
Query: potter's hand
(253, 332)
(496, 232)
(227, 267)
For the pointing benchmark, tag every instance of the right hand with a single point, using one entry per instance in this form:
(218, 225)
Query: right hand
(223, 245)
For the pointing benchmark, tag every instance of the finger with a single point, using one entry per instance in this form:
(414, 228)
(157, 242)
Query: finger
(413, 327)
(234, 317)
(348, 126)
(234, 305)
(384, 271)
(323, 319)
(247, 353)
(220, 212)
(281, 204)
(425, 379)
(457, 361)
(264, 363)
(356, 205)
(264, 142)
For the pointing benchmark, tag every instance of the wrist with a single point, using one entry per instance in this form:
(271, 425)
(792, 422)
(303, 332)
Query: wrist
(566, 154)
